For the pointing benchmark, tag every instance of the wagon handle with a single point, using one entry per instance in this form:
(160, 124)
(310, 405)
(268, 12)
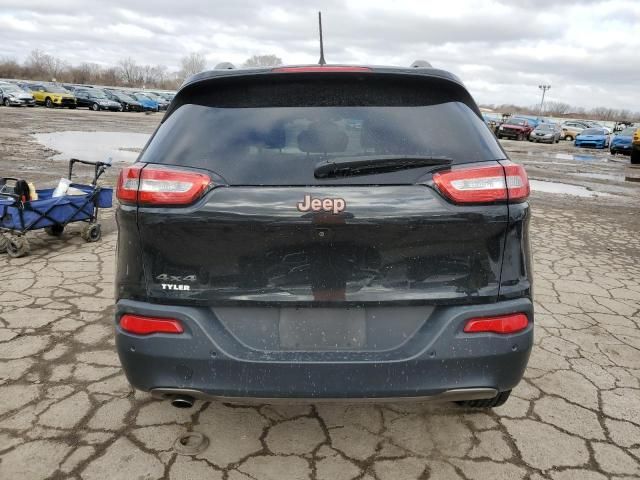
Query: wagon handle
(100, 168)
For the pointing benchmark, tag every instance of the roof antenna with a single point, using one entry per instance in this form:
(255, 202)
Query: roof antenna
(321, 61)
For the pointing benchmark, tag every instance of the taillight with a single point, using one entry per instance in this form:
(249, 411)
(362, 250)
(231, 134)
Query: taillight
(159, 185)
(320, 69)
(128, 182)
(485, 184)
(500, 324)
(141, 325)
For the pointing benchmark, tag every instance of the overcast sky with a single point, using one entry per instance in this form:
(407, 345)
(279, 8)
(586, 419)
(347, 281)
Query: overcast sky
(588, 50)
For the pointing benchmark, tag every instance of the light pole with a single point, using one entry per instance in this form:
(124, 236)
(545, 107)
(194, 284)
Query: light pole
(544, 89)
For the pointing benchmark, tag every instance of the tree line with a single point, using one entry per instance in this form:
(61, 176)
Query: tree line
(42, 66)
(565, 110)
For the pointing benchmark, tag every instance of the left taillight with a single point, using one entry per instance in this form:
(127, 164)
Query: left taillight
(141, 325)
(159, 185)
(484, 184)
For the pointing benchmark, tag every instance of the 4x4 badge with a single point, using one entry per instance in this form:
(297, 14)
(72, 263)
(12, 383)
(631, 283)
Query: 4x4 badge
(333, 205)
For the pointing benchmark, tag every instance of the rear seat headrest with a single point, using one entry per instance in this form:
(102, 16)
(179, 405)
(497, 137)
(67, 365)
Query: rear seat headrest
(323, 137)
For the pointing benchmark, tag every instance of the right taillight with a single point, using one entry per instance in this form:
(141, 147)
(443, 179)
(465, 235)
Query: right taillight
(502, 324)
(484, 184)
(159, 185)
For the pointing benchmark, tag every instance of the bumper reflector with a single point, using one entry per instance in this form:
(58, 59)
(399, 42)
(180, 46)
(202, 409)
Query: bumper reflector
(512, 323)
(140, 325)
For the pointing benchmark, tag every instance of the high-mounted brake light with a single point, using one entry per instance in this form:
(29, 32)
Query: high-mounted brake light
(485, 184)
(141, 325)
(501, 324)
(159, 185)
(320, 69)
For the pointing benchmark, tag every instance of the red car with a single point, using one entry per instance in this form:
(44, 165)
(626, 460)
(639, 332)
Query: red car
(516, 129)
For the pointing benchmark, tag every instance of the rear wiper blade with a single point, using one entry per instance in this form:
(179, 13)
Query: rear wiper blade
(368, 164)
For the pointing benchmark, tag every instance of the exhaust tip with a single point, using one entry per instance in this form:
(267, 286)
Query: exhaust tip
(182, 401)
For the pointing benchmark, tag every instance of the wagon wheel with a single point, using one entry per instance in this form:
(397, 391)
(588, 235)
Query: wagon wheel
(91, 232)
(54, 230)
(4, 242)
(18, 247)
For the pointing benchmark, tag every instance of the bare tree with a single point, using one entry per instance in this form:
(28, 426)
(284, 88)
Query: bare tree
(192, 64)
(37, 63)
(130, 72)
(9, 68)
(262, 61)
(557, 108)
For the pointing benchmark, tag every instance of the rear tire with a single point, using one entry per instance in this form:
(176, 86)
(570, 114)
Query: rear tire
(54, 230)
(91, 232)
(48, 103)
(6, 102)
(95, 107)
(496, 401)
(18, 247)
(4, 243)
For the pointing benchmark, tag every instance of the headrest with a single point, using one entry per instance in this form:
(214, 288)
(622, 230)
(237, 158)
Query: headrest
(323, 137)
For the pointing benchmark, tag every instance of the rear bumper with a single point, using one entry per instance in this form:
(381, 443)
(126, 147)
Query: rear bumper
(440, 361)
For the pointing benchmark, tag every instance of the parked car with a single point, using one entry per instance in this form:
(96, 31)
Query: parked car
(12, 95)
(129, 104)
(592, 124)
(635, 147)
(621, 142)
(546, 133)
(292, 255)
(147, 104)
(570, 130)
(162, 102)
(533, 120)
(515, 128)
(96, 100)
(593, 138)
(51, 95)
(166, 95)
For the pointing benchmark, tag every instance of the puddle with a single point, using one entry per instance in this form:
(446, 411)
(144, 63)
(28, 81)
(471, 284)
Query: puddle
(94, 146)
(568, 156)
(600, 176)
(564, 188)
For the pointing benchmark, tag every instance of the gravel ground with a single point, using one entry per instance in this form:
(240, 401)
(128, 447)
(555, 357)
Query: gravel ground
(67, 412)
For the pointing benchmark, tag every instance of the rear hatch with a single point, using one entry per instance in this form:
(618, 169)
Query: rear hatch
(311, 189)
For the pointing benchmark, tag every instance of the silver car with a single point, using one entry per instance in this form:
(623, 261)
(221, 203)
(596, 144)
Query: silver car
(546, 133)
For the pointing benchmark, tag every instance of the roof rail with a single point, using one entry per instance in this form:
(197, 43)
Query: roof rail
(225, 66)
(421, 64)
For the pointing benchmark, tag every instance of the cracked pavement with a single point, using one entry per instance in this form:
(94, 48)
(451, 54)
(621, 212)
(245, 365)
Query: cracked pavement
(67, 412)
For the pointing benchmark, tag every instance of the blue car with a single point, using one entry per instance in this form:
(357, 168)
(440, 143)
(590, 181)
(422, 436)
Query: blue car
(593, 138)
(148, 104)
(621, 143)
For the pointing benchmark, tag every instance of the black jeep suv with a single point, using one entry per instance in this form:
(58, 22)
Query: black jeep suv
(324, 232)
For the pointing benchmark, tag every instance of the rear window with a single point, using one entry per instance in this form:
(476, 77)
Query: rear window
(266, 137)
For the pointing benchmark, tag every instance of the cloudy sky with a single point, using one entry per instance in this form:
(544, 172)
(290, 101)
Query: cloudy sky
(588, 50)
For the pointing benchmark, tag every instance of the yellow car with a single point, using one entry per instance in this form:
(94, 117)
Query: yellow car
(635, 147)
(51, 95)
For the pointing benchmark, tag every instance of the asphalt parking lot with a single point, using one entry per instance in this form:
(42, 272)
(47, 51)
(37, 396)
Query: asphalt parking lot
(67, 412)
